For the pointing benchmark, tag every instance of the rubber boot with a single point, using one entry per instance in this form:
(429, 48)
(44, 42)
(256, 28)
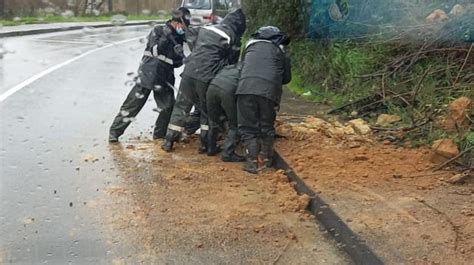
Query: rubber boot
(213, 149)
(158, 137)
(170, 138)
(267, 151)
(193, 122)
(251, 163)
(113, 138)
(203, 145)
(230, 144)
(233, 158)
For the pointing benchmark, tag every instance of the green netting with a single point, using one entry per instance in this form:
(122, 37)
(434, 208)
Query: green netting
(359, 19)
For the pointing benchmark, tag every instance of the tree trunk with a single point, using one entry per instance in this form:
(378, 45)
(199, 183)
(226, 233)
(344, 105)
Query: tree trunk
(110, 5)
(86, 2)
(2, 8)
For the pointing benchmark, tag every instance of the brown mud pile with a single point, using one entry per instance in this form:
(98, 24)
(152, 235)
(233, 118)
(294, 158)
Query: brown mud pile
(387, 194)
(185, 208)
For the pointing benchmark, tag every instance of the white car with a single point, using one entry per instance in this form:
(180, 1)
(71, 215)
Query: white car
(209, 11)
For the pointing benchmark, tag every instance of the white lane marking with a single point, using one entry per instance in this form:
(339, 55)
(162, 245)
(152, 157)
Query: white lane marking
(32, 79)
(65, 41)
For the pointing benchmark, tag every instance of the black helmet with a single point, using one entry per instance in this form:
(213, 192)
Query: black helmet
(273, 34)
(182, 15)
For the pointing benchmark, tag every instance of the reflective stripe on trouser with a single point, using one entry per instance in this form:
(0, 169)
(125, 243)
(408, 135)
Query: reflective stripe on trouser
(191, 92)
(133, 104)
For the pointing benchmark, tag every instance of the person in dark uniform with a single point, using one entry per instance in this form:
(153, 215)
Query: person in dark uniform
(222, 105)
(266, 67)
(216, 46)
(163, 53)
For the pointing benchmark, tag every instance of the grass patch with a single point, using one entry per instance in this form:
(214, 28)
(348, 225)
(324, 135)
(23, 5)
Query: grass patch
(329, 70)
(61, 19)
(341, 72)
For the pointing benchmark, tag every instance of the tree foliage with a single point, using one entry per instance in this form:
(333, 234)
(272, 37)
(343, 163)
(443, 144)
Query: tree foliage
(288, 15)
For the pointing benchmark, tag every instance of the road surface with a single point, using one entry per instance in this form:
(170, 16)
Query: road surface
(62, 195)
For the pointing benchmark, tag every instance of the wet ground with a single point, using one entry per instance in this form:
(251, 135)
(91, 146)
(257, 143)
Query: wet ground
(67, 197)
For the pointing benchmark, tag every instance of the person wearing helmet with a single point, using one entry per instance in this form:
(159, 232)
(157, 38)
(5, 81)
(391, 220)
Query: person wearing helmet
(266, 67)
(163, 53)
(216, 47)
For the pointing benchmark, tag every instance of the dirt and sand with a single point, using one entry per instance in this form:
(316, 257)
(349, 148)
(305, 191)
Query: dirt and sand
(387, 194)
(185, 208)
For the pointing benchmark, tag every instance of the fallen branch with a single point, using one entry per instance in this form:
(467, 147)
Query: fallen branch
(452, 159)
(453, 226)
(281, 252)
(422, 175)
(403, 129)
(415, 94)
(463, 65)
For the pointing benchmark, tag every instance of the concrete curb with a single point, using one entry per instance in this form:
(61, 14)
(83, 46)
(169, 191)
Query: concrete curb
(359, 252)
(59, 29)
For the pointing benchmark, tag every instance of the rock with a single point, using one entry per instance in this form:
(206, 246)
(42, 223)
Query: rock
(458, 10)
(445, 148)
(291, 236)
(348, 130)
(316, 123)
(303, 201)
(90, 158)
(387, 119)
(353, 145)
(437, 16)
(336, 132)
(458, 110)
(360, 126)
(458, 178)
(360, 158)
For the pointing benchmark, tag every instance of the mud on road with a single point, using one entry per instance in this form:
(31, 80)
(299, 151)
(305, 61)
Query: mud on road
(389, 195)
(185, 208)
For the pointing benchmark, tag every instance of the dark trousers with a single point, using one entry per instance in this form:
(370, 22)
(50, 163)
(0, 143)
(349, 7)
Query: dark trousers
(135, 101)
(191, 92)
(222, 105)
(256, 117)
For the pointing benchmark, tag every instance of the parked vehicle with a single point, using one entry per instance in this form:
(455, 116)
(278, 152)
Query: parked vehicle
(209, 11)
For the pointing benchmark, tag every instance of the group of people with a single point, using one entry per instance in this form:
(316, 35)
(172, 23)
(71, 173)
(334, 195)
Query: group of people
(237, 97)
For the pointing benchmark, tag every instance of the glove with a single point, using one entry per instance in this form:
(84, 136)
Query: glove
(178, 49)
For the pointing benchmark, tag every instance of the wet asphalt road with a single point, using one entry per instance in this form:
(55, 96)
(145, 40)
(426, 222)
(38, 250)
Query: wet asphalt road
(53, 141)
(55, 162)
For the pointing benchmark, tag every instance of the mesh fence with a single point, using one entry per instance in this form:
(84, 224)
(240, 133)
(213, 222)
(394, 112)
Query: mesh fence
(451, 20)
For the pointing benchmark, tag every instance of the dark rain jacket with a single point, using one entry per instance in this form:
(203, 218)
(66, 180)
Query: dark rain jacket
(265, 69)
(216, 47)
(162, 54)
(227, 79)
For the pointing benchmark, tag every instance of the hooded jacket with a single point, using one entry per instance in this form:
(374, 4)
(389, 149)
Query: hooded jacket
(161, 57)
(228, 79)
(266, 67)
(216, 46)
